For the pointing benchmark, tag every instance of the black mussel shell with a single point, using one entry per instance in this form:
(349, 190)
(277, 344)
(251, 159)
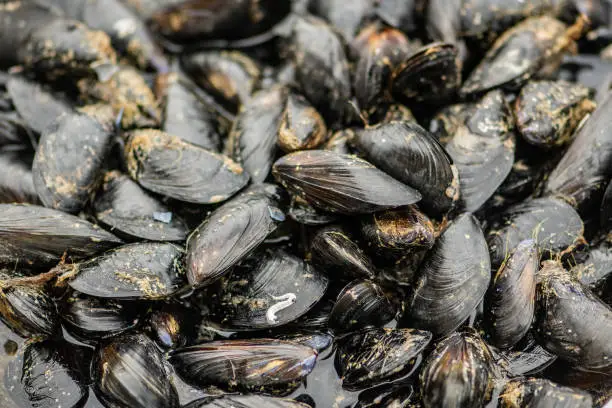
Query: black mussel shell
(341, 183)
(395, 396)
(304, 213)
(360, 304)
(449, 119)
(458, 373)
(40, 236)
(453, 278)
(346, 20)
(586, 166)
(133, 271)
(548, 112)
(412, 155)
(483, 150)
(190, 116)
(321, 67)
(255, 132)
(35, 104)
(401, 14)
(15, 135)
(432, 74)
(170, 326)
(91, 318)
(379, 355)
(167, 165)
(509, 304)
(540, 393)
(230, 77)
(244, 364)
(49, 374)
(301, 126)
(245, 401)
(334, 250)
(16, 181)
(315, 340)
(129, 372)
(317, 318)
(129, 210)
(572, 322)
(128, 93)
(595, 271)
(276, 291)
(231, 233)
(521, 52)
(29, 311)
(67, 167)
(552, 222)
(527, 360)
(63, 47)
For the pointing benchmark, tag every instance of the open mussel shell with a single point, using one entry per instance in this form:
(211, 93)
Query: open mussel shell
(361, 304)
(333, 249)
(548, 112)
(255, 131)
(29, 311)
(509, 304)
(538, 392)
(483, 150)
(520, 53)
(129, 210)
(553, 223)
(16, 181)
(301, 126)
(232, 232)
(262, 363)
(49, 374)
(571, 321)
(230, 77)
(375, 356)
(68, 164)
(37, 105)
(133, 271)
(245, 401)
(276, 291)
(40, 236)
(458, 373)
(165, 164)
(129, 372)
(410, 154)
(585, 168)
(452, 280)
(432, 74)
(341, 183)
(91, 318)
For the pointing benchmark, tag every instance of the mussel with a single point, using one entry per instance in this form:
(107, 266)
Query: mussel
(537, 392)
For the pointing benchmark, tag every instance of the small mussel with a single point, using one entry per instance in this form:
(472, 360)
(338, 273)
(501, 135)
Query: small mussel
(91, 318)
(67, 167)
(453, 278)
(134, 271)
(548, 112)
(509, 304)
(252, 140)
(167, 165)
(341, 183)
(482, 148)
(572, 322)
(232, 232)
(29, 311)
(276, 291)
(245, 401)
(360, 304)
(301, 126)
(40, 236)
(412, 155)
(130, 211)
(334, 250)
(379, 355)
(245, 364)
(458, 373)
(230, 77)
(16, 181)
(541, 393)
(552, 222)
(129, 372)
(533, 46)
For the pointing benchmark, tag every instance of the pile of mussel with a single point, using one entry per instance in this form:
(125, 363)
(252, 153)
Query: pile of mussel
(305, 203)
